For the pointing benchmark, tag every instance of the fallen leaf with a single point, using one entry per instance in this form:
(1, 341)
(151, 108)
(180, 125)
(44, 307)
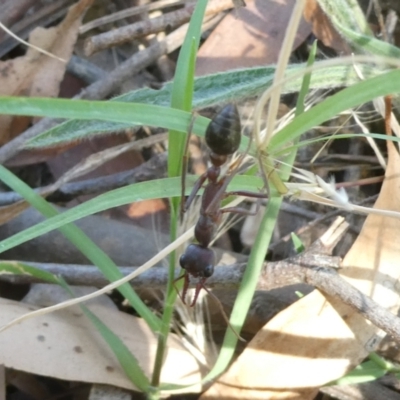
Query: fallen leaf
(372, 263)
(65, 345)
(319, 339)
(36, 74)
(284, 359)
(249, 36)
(323, 28)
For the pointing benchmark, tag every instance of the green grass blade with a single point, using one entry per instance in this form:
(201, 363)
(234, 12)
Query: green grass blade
(305, 85)
(18, 268)
(82, 242)
(219, 88)
(183, 84)
(365, 372)
(162, 188)
(181, 98)
(388, 83)
(349, 20)
(304, 143)
(247, 287)
(127, 360)
(130, 113)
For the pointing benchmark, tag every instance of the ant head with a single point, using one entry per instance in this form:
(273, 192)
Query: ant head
(198, 261)
(223, 133)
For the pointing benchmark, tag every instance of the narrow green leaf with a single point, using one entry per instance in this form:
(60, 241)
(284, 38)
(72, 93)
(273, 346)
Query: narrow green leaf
(162, 188)
(82, 242)
(297, 243)
(219, 88)
(388, 83)
(305, 85)
(181, 98)
(128, 362)
(365, 372)
(247, 287)
(18, 268)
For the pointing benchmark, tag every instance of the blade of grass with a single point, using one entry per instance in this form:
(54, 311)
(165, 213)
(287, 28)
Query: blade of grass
(127, 360)
(259, 250)
(181, 98)
(245, 296)
(83, 243)
(218, 88)
(163, 188)
(387, 83)
(300, 106)
(130, 113)
(305, 85)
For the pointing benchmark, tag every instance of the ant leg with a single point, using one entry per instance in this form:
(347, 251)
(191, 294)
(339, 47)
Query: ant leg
(197, 186)
(184, 167)
(246, 193)
(221, 309)
(199, 286)
(241, 210)
(182, 296)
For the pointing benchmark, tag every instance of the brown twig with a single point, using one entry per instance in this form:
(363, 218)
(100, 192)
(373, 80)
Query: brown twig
(129, 12)
(152, 169)
(143, 28)
(85, 70)
(315, 269)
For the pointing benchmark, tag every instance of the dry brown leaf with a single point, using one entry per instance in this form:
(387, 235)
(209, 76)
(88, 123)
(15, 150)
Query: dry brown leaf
(372, 264)
(7, 213)
(323, 28)
(65, 345)
(36, 74)
(315, 341)
(283, 360)
(249, 36)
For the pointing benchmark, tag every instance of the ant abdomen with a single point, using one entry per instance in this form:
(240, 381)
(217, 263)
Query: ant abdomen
(223, 133)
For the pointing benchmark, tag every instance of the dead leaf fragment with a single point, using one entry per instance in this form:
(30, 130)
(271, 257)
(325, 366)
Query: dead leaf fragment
(65, 345)
(284, 359)
(249, 36)
(36, 74)
(323, 28)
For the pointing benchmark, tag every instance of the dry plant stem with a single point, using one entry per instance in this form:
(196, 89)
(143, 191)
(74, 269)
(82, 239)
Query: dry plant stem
(98, 159)
(44, 16)
(85, 70)
(101, 89)
(146, 266)
(274, 95)
(313, 268)
(13, 11)
(286, 272)
(143, 28)
(129, 12)
(152, 169)
(124, 243)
